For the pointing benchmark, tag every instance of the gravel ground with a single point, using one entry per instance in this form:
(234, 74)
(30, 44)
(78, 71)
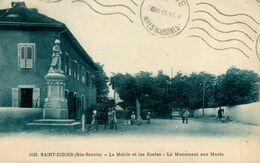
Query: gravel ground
(235, 141)
(204, 126)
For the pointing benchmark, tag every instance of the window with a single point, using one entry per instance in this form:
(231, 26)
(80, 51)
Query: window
(83, 74)
(87, 80)
(66, 95)
(75, 69)
(66, 63)
(78, 71)
(26, 55)
(70, 67)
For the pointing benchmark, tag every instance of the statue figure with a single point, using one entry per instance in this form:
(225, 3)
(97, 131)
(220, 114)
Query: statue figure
(56, 57)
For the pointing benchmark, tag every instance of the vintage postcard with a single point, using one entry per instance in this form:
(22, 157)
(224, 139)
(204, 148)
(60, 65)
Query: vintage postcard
(156, 81)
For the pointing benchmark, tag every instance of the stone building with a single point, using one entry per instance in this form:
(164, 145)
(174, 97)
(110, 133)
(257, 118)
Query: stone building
(27, 38)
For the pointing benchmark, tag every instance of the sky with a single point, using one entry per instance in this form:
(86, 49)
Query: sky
(124, 46)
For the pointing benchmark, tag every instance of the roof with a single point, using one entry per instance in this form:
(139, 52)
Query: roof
(21, 17)
(22, 14)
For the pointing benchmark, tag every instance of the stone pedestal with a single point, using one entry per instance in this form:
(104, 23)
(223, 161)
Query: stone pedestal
(55, 106)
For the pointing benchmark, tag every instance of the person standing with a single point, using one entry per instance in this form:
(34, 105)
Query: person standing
(186, 115)
(105, 118)
(182, 117)
(133, 118)
(110, 118)
(94, 122)
(114, 118)
(148, 117)
(220, 113)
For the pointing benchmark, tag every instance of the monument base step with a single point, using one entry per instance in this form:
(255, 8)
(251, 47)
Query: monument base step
(54, 123)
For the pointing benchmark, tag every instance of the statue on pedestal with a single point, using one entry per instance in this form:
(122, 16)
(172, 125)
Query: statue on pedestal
(56, 57)
(55, 106)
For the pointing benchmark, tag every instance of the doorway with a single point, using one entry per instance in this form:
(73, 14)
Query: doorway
(72, 105)
(26, 97)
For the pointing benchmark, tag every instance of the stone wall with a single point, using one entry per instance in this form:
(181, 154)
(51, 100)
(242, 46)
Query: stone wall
(14, 119)
(247, 113)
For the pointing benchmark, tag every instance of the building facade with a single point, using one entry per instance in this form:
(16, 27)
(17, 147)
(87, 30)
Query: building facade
(27, 38)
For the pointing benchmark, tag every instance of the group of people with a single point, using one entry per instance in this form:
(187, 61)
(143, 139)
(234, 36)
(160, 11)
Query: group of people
(185, 115)
(111, 120)
(134, 121)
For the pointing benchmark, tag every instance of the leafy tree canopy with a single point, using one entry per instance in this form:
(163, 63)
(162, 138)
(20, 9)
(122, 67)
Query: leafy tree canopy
(161, 93)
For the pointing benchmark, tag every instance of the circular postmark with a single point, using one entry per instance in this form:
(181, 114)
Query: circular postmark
(165, 18)
(257, 47)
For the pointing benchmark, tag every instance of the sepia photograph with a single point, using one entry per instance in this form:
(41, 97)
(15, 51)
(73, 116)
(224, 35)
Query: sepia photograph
(157, 81)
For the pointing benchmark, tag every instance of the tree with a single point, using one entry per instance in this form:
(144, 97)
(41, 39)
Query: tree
(125, 86)
(151, 91)
(180, 91)
(200, 93)
(160, 93)
(161, 89)
(101, 80)
(238, 87)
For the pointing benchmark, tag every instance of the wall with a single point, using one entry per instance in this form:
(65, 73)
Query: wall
(248, 113)
(11, 76)
(14, 119)
(73, 84)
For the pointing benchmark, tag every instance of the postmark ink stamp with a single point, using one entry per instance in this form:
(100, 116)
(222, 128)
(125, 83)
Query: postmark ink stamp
(165, 18)
(257, 47)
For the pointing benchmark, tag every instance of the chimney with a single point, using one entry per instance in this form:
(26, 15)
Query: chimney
(18, 4)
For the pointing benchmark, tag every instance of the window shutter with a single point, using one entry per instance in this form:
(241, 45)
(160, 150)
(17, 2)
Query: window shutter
(75, 70)
(29, 57)
(15, 97)
(87, 78)
(66, 63)
(36, 97)
(78, 71)
(69, 67)
(83, 75)
(22, 56)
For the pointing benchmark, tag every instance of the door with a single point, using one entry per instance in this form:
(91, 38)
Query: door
(26, 97)
(82, 102)
(72, 105)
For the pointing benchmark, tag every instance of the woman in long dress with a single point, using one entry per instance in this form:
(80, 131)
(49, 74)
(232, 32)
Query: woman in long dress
(94, 122)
